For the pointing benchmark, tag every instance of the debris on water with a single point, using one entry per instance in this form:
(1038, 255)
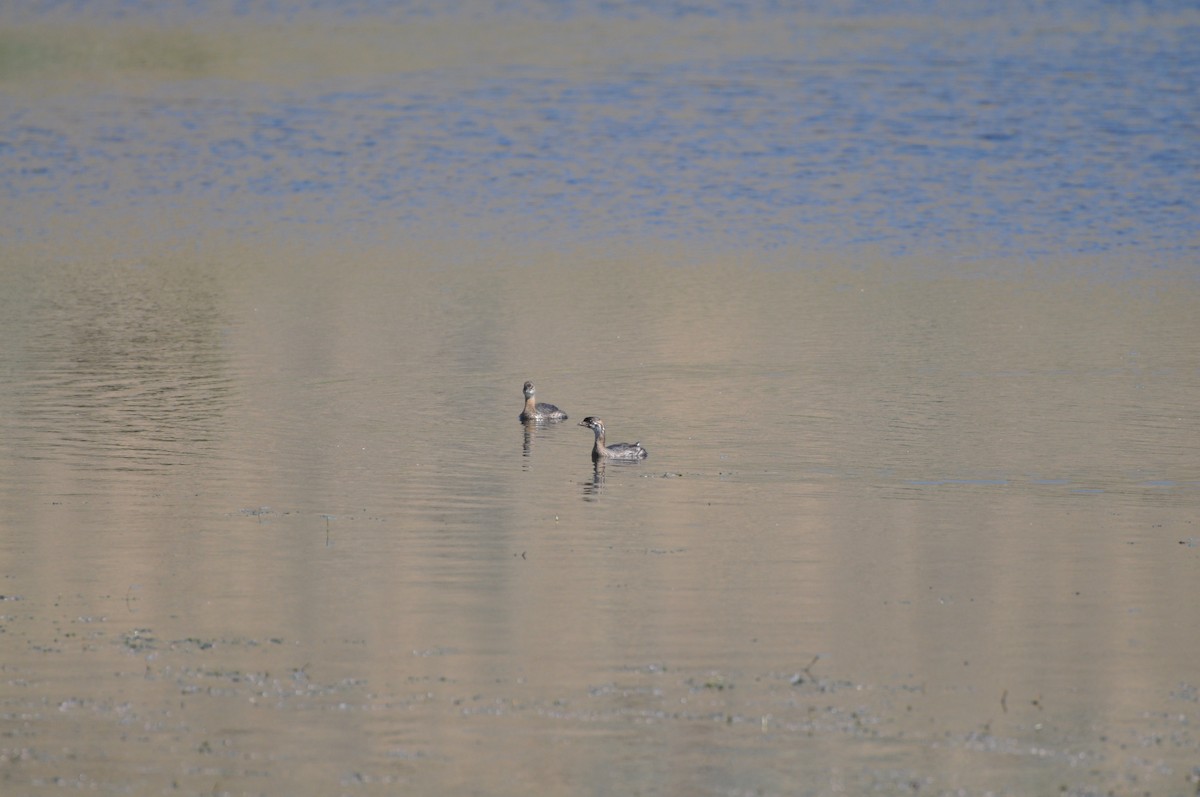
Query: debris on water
(715, 682)
(139, 639)
(258, 512)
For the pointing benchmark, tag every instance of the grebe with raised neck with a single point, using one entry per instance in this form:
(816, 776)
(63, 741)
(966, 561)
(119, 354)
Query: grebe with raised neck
(539, 411)
(616, 450)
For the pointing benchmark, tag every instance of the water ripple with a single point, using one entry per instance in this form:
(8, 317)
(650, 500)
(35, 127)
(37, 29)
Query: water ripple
(965, 133)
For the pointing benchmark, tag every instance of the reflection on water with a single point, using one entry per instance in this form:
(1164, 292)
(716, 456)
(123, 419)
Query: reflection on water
(123, 367)
(972, 499)
(531, 429)
(592, 487)
(910, 525)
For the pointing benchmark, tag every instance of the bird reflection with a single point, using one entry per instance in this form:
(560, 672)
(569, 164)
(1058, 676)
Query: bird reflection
(529, 427)
(592, 487)
(529, 431)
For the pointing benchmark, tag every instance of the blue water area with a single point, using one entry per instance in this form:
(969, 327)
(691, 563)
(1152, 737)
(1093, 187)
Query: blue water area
(967, 129)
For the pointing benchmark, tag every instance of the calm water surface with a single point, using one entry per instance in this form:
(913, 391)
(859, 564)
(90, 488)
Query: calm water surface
(904, 309)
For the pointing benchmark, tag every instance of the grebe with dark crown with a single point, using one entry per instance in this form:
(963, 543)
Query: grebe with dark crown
(616, 450)
(537, 411)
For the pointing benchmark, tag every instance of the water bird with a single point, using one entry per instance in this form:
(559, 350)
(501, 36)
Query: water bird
(616, 450)
(539, 411)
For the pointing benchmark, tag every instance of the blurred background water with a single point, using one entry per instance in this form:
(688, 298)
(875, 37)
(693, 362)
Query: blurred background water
(903, 302)
(966, 130)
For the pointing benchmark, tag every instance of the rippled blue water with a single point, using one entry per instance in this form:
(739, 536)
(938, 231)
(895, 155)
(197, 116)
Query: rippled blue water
(967, 130)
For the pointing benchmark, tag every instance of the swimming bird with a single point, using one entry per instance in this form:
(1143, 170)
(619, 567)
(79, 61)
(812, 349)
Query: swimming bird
(538, 411)
(616, 450)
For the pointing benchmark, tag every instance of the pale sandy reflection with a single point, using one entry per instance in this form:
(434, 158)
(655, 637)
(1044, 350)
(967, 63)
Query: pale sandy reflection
(934, 531)
(122, 365)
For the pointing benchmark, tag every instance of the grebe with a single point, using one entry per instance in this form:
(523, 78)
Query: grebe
(616, 450)
(536, 411)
